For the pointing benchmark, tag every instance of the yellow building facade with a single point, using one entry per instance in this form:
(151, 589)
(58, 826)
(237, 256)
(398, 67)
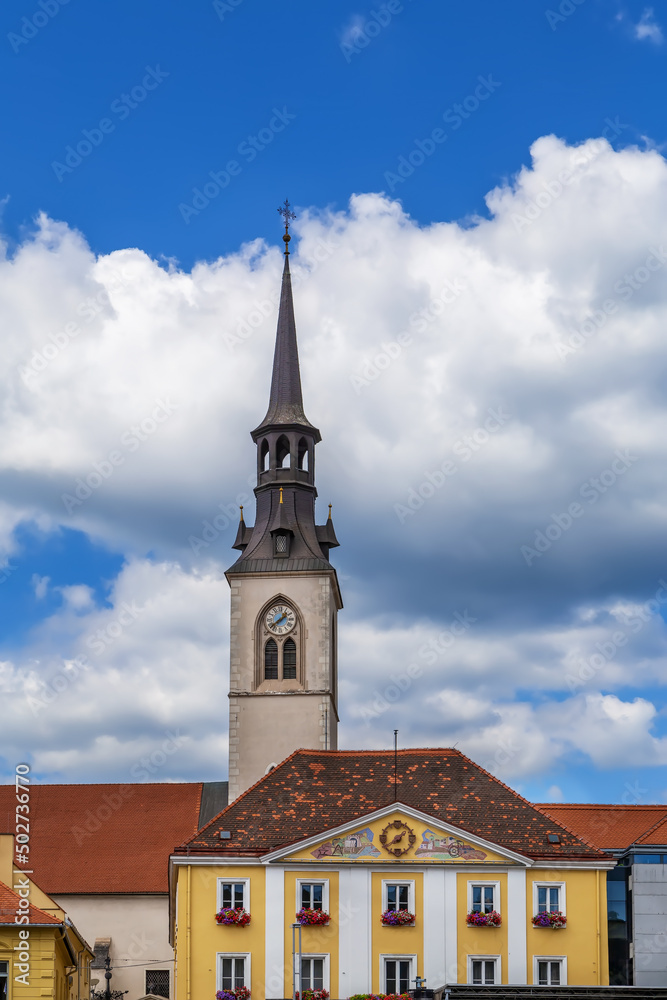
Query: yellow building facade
(363, 873)
(41, 952)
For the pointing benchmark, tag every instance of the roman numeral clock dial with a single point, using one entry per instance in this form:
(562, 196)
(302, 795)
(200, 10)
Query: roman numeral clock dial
(280, 619)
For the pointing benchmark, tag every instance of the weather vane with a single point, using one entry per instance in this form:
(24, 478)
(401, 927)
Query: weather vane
(288, 215)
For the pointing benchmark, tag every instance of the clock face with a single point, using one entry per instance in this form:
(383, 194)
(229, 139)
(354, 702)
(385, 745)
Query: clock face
(280, 619)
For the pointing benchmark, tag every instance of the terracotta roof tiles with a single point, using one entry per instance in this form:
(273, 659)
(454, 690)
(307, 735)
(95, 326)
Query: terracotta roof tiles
(9, 907)
(609, 827)
(105, 838)
(286, 805)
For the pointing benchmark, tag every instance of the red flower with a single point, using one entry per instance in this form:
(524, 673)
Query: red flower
(307, 916)
(233, 915)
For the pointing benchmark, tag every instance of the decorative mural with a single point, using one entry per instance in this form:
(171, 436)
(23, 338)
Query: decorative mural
(446, 848)
(358, 844)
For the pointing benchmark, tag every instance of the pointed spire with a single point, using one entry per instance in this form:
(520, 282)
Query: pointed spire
(286, 400)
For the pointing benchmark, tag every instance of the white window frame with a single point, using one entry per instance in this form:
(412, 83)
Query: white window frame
(399, 881)
(412, 959)
(498, 975)
(550, 958)
(237, 881)
(324, 882)
(325, 970)
(484, 882)
(231, 954)
(550, 885)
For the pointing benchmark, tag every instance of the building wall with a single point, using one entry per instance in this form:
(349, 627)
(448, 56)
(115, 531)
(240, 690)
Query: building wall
(649, 916)
(268, 722)
(138, 926)
(355, 940)
(48, 961)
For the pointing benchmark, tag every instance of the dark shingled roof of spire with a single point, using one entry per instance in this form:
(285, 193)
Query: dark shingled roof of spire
(286, 401)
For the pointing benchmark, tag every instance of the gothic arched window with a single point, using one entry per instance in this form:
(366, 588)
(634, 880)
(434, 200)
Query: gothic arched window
(282, 453)
(289, 660)
(264, 456)
(302, 455)
(271, 660)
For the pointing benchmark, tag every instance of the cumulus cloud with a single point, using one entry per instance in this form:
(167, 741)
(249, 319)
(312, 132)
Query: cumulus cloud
(491, 398)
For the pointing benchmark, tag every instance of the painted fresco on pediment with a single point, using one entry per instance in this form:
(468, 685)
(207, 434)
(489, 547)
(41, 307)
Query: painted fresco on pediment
(358, 844)
(444, 847)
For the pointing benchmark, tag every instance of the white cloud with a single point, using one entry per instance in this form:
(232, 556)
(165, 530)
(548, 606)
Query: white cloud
(40, 585)
(535, 354)
(648, 28)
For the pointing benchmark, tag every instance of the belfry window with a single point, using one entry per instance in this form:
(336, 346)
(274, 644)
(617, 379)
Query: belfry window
(302, 455)
(264, 456)
(283, 453)
(271, 660)
(289, 660)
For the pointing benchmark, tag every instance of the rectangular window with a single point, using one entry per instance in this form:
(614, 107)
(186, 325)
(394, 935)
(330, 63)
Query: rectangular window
(548, 972)
(483, 898)
(4, 973)
(398, 897)
(232, 972)
(157, 982)
(397, 975)
(232, 894)
(312, 974)
(548, 898)
(312, 895)
(483, 971)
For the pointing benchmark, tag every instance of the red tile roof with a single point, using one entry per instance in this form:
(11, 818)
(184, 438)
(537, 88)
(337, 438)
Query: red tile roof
(610, 827)
(314, 791)
(657, 834)
(9, 906)
(105, 838)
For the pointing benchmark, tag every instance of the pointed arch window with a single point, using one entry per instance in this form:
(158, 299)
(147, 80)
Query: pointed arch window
(289, 660)
(271, 660)
(283, 452)
(264, 456)
(302, 455)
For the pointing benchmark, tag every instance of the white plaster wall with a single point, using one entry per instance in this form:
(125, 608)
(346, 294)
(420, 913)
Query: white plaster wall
(139, 930)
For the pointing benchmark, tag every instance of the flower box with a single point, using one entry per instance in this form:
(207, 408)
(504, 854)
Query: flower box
(229, 915)
(556, 920)
(314, 917)
(398, 918)
(242, 993)
(380, 996)
(476, 919)
(314, 995)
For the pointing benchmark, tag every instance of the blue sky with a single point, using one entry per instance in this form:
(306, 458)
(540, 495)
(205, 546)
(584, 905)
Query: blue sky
(425, 114)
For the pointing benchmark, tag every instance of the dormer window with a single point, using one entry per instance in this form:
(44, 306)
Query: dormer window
(281, 544)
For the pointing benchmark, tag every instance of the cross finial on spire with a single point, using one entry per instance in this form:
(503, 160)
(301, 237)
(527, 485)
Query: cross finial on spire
(288, 215)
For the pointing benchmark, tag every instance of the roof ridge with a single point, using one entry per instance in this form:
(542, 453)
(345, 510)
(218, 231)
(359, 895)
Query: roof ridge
(602, 805)
(655, 825)
(243, 794)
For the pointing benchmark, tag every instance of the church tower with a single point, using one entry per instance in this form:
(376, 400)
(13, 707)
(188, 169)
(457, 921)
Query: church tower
(285, 596)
